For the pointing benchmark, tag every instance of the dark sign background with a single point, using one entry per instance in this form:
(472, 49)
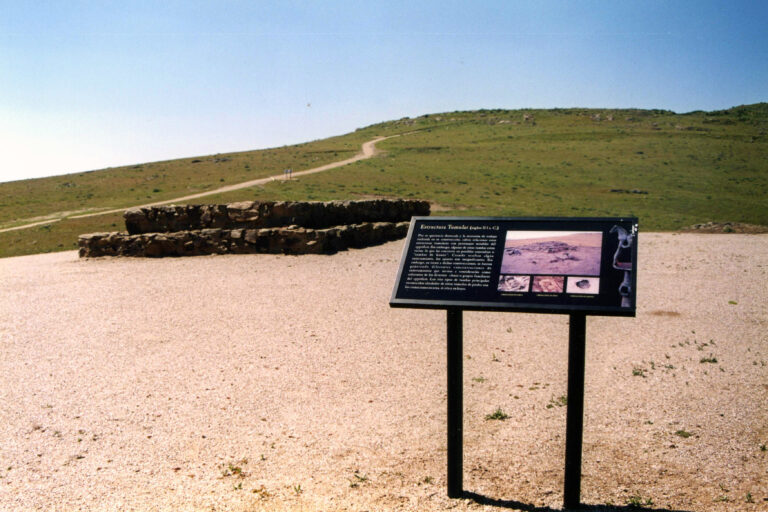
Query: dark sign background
(545, 265)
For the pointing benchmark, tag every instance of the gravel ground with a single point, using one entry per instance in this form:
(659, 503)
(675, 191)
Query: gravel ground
(265, 382)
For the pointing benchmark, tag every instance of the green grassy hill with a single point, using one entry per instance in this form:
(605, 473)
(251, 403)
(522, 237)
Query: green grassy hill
(671, 170)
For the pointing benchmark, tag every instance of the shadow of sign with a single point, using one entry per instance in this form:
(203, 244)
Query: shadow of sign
(528, 507)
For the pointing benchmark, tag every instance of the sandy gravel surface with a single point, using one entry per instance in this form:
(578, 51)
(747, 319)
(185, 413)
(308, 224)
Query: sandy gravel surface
(265, 382)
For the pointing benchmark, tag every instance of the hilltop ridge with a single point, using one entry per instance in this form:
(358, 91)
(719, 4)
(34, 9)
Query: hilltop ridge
(671, 170)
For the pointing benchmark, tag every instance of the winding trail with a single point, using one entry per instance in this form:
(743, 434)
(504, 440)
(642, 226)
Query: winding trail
(367, 150)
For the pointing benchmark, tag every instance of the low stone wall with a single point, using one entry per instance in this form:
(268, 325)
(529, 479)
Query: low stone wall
(288, 240)
(254, 227)
(268, 214)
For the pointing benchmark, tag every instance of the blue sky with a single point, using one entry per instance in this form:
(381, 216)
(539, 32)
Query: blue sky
(88, 85)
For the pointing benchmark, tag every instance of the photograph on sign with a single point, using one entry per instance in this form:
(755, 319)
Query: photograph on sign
(583, 285)
(509, 283)
(538, 265)
(552, 252)
(548, 284)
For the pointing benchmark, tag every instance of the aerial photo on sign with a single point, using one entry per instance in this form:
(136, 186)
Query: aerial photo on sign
(552, 252)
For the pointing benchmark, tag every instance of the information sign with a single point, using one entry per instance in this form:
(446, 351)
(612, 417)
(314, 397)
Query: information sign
(579, 266)
(544, 265)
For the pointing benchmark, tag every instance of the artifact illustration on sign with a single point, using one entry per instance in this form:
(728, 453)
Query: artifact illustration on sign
(583, 285)
(622, 260)
(548, 284)
(509, 283)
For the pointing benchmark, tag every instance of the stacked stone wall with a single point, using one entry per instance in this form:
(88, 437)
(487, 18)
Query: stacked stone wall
(254, 227)
(269, 214)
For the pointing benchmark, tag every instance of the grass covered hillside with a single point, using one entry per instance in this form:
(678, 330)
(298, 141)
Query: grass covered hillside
(671, 170)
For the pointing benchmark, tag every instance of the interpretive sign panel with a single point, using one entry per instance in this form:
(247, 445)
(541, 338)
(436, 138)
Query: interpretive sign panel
(547, 265)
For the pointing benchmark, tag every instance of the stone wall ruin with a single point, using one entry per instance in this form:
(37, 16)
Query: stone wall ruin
(276, 227)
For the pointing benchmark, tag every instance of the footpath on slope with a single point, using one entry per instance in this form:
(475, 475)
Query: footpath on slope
(367, 150)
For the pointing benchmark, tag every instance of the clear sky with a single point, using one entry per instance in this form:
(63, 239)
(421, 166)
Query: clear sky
(87, 85)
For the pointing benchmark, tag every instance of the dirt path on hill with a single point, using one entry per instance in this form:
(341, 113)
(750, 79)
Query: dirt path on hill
(286, 383)
(367, 150)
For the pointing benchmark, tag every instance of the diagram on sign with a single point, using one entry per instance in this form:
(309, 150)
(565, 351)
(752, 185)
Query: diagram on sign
(622, 260)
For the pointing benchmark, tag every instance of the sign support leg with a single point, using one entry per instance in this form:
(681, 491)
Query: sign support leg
(455, 403)
(575, 419)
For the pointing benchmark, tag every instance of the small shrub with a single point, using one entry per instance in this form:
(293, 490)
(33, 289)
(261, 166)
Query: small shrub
(235, 469)
(637, 501)
(557, 402)
(262, 492)
(498, 414)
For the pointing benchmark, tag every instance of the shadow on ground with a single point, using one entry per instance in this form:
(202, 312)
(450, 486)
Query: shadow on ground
(527, 507)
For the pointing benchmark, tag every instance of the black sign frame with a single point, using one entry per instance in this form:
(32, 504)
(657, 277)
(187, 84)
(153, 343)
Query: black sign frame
(437, 289)
(618, 241)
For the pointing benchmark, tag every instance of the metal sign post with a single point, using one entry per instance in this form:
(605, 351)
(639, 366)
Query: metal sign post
(574, 422)
(574, 419)
(455, 404)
